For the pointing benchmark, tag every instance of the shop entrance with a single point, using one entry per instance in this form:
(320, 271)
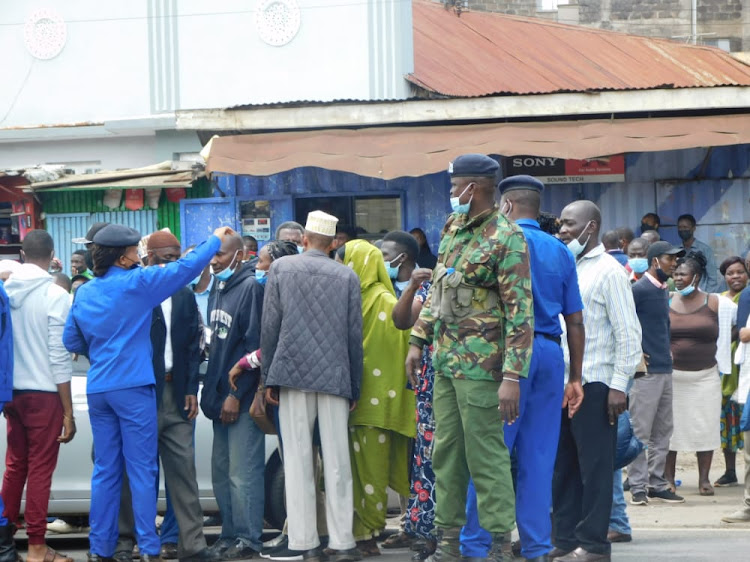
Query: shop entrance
(371, 216)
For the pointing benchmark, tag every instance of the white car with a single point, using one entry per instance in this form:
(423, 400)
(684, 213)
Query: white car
(71, 481)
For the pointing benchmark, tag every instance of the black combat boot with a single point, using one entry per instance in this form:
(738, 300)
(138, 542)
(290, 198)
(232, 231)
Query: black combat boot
(7, 546)
(501, 550)
(448, 546)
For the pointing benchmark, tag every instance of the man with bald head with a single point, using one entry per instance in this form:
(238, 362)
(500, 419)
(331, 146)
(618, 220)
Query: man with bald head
(651, 236)
(582, 485)
(237, 461)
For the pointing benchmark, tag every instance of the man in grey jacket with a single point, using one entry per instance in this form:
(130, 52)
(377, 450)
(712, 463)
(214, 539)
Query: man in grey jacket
(311, 342)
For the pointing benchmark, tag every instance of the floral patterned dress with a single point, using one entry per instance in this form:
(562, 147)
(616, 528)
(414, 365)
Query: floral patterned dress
(421, 510)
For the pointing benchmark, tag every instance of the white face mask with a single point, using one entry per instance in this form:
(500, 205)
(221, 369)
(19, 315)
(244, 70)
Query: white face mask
(575, 245)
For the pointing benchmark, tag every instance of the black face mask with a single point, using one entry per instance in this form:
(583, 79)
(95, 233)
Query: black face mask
(646, 227)
(685, 235)
(661, 275)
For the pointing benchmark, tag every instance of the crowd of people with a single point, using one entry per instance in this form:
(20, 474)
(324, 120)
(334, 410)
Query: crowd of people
(485, 386)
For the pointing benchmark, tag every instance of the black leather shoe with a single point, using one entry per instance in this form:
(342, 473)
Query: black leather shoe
(168, 551)
(557, 553)
(205, 555)
(314, 555)
(91, 557)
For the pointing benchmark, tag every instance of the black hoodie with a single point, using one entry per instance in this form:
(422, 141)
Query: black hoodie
(234, 311)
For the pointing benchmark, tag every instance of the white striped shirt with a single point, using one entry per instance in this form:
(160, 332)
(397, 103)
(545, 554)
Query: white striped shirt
(613, 332)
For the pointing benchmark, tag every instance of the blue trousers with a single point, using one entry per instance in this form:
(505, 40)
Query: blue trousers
(124, 426)
(237, 474)
(618, 518)
(170, 531)
(3, 520)
(534, 436)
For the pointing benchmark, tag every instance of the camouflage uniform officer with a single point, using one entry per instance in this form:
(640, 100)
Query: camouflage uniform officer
(479, 319)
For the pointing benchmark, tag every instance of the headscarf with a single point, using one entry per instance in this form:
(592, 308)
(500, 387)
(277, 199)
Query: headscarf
(385, 402)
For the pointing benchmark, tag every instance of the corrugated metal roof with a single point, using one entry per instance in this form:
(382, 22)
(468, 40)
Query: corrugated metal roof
(479, 54)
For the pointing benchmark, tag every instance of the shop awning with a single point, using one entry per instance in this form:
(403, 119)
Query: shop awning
(150, 177)
(392, 152)
(184, 179)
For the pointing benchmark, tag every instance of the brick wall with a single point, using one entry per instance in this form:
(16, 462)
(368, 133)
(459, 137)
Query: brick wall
(717, 19)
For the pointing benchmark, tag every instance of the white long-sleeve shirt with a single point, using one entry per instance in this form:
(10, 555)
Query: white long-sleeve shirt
(39, 309)
(613, 332)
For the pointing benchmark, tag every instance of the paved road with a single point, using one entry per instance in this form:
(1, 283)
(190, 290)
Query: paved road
(730, 544)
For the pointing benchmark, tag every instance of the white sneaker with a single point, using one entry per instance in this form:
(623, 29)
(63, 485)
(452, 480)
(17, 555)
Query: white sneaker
(61, 527)
(739, 516)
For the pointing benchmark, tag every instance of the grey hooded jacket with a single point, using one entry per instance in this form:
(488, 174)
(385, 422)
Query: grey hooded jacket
(311, 335)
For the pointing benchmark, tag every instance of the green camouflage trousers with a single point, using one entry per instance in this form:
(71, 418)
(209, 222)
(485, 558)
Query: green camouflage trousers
(469, 444)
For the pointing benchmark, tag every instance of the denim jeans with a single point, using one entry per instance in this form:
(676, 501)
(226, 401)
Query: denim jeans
(618, 517)
(237, 473)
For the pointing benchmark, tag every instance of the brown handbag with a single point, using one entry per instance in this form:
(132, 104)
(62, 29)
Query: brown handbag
(260, 415)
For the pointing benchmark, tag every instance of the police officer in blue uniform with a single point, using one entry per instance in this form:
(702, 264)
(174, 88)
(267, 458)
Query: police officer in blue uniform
(534, 434)
(110, 323)
(7, 546)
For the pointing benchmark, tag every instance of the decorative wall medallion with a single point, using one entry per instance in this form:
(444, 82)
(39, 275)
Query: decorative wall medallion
(45, 34)
(277, 21)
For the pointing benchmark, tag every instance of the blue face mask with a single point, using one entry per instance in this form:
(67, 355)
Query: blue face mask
(225, 274)
(300, 249)
(260, 276)
(689, 289)
(457, 206)
(638, 265)
(391, 270)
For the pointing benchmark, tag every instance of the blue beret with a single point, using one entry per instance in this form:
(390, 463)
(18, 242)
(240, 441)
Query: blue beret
(117, 236)
(473, 165)
(514, 183)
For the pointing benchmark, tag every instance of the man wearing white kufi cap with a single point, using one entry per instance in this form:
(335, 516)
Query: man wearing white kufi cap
(311, 342)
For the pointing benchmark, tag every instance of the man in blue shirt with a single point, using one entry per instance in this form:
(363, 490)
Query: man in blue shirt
(7, 546)
(534, 434)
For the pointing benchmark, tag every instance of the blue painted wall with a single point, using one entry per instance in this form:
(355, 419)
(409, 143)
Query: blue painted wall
(425, 199)
(712, 184)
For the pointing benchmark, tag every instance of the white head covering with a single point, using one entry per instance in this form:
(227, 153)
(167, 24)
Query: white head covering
(321, 223)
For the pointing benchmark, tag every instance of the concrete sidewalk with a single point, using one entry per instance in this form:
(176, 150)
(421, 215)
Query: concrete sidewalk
(698, 511)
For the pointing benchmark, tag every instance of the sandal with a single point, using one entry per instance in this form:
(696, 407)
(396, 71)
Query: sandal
(428, 550)
(368, 548)
(52, 556)
(706, 490)
(729, 478)
(399, 540)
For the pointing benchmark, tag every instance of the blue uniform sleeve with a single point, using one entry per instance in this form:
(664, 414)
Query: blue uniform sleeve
(743, 308)
(572, 301)
(159, 283)
(73, 337)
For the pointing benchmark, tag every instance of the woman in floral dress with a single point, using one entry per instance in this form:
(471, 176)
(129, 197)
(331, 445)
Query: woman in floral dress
(421, 511)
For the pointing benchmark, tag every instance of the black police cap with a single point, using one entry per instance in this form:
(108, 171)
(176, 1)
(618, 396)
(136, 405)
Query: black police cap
(117, 236)
(514, 183)
(473, 166)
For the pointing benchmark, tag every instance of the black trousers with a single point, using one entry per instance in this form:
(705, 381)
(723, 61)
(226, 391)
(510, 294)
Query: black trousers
(582, 484)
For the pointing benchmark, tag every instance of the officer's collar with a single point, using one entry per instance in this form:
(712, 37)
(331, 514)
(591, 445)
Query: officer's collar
(465, 222)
